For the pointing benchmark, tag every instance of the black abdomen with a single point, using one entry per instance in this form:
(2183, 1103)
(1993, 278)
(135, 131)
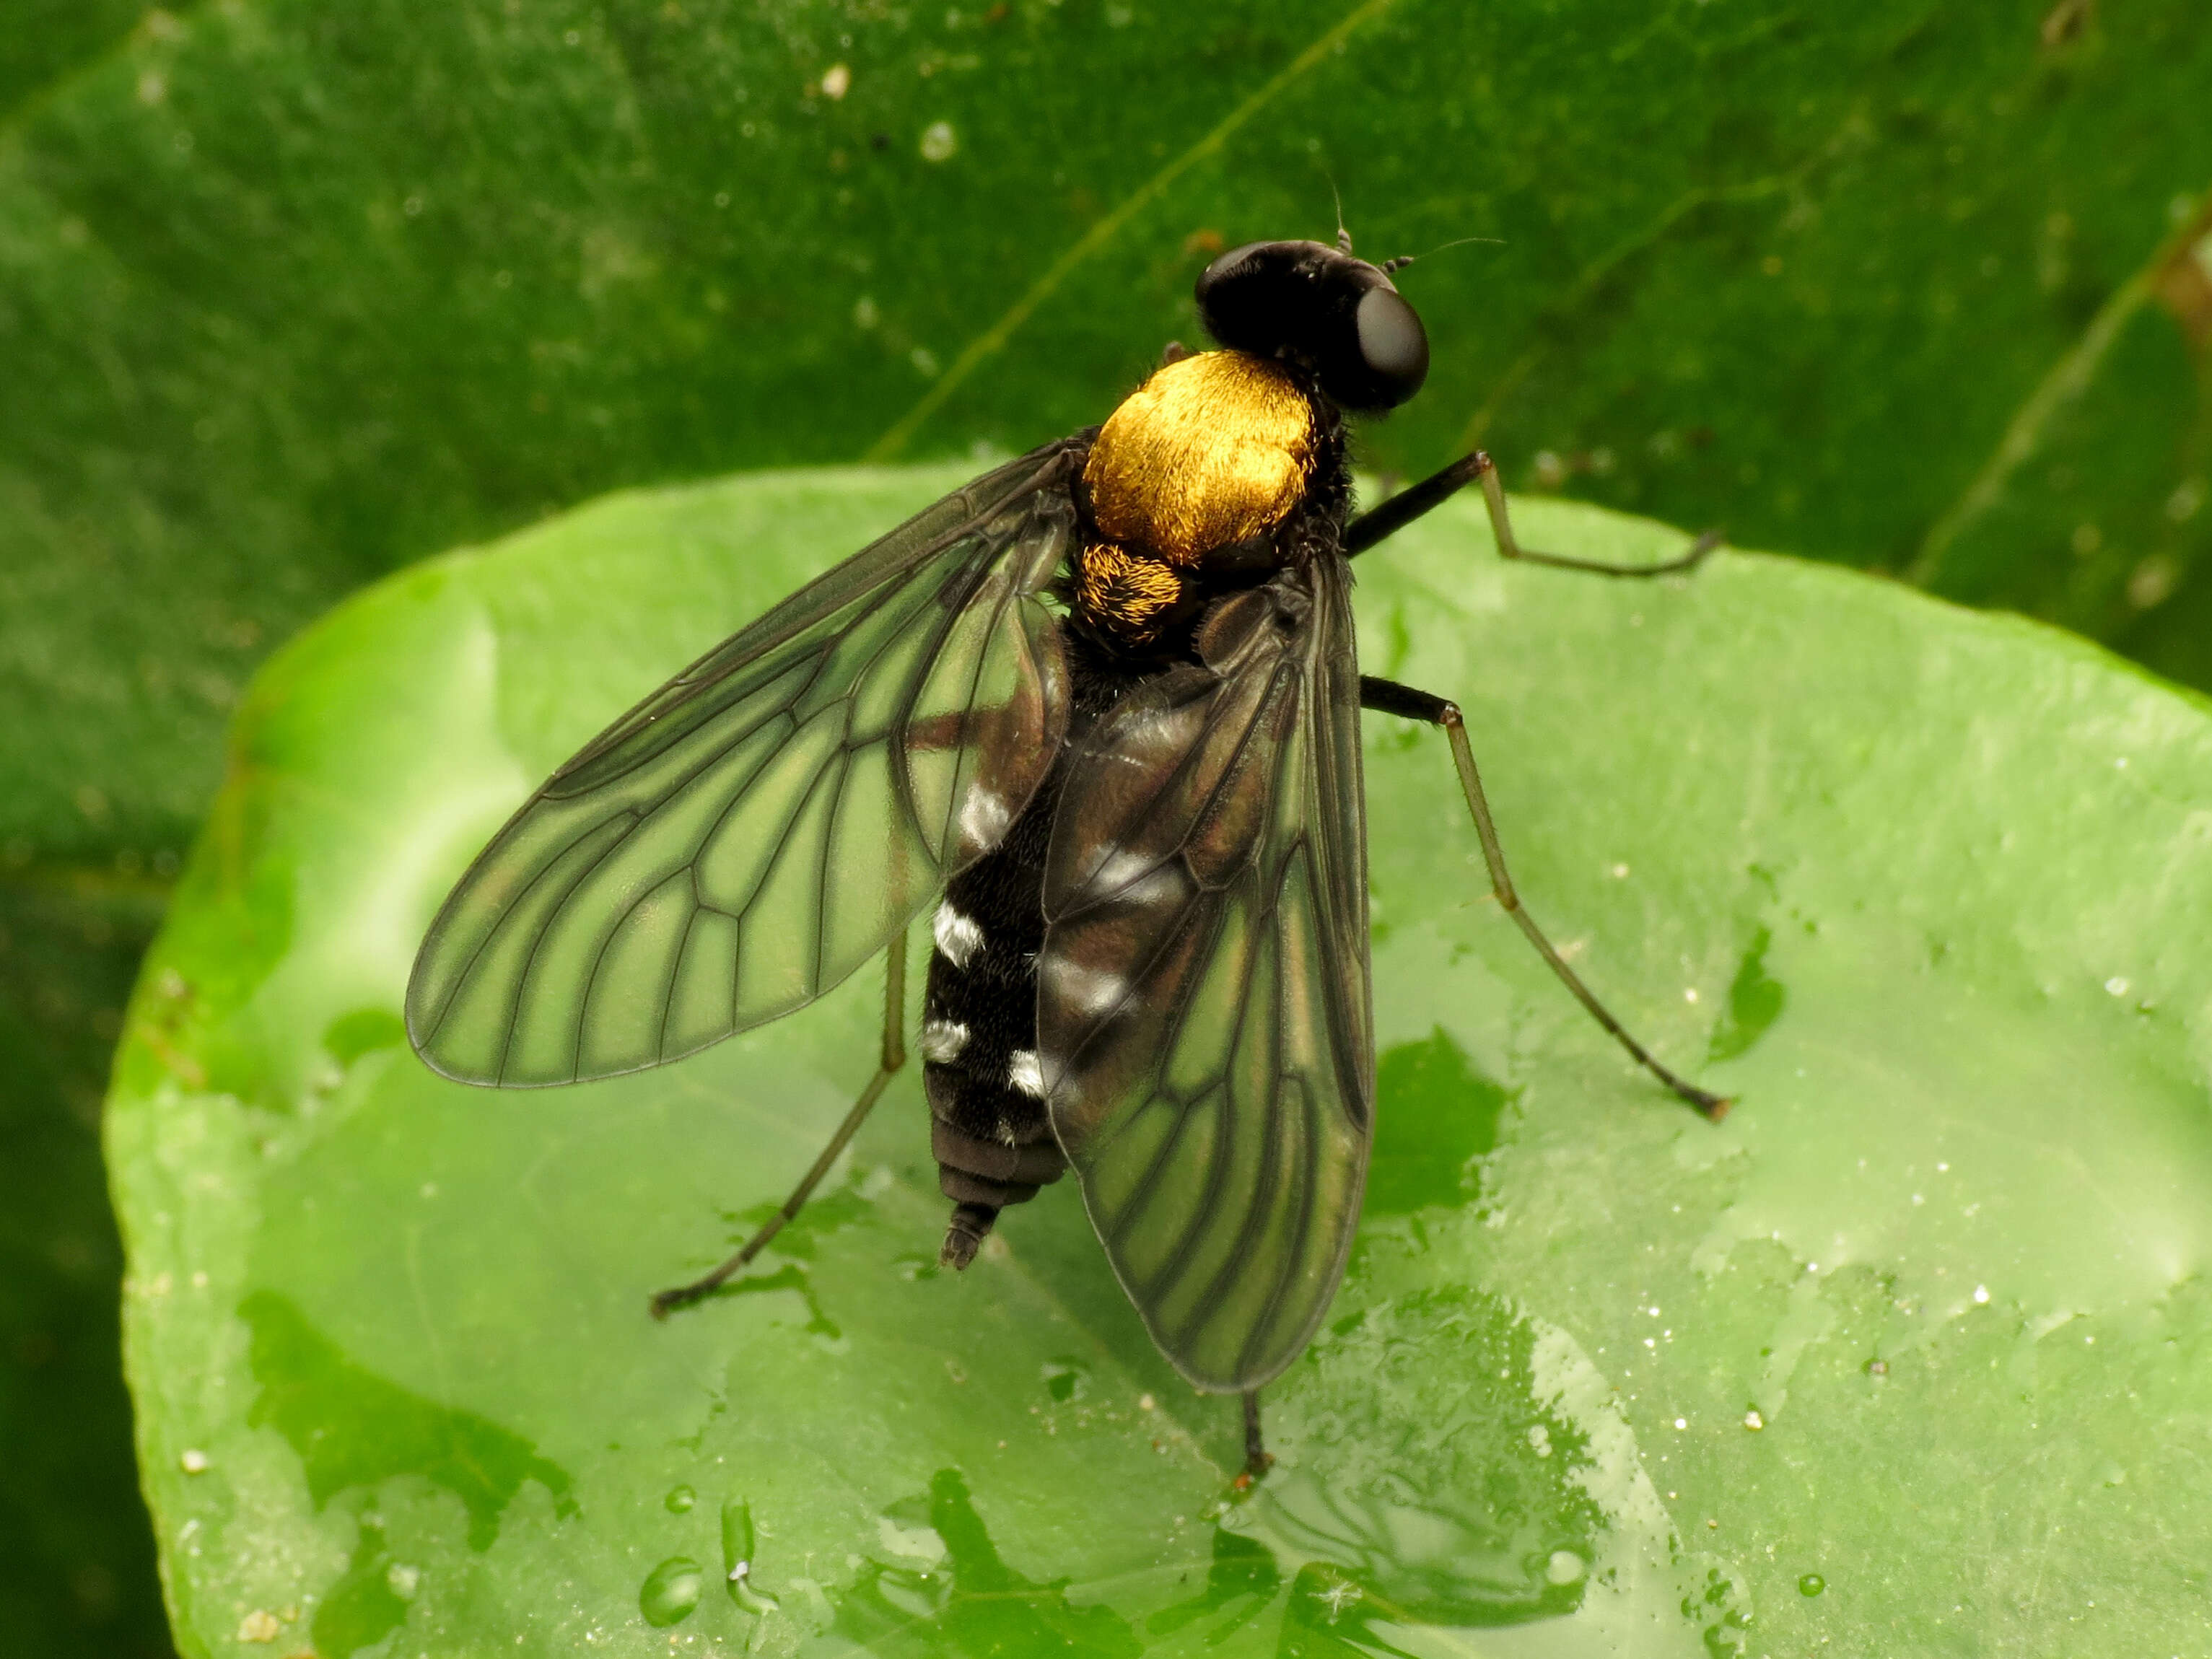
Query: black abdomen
(988, 1129)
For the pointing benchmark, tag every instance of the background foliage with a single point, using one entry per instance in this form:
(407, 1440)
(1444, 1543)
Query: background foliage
(292, 294)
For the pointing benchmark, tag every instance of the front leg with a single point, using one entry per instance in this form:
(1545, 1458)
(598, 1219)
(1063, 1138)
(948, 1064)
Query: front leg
(1389, 697)
(1408, 505)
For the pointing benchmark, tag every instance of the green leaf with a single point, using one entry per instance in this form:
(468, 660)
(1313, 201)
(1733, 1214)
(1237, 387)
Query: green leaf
(1907, 1344)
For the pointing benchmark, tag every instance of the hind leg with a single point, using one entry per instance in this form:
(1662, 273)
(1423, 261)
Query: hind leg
(892, 1057)
(1389, 697)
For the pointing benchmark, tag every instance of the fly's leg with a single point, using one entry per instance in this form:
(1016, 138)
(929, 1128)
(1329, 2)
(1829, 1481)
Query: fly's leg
(1389, 697)
(1408, 505)
(1258, 1460)
(892, 1057)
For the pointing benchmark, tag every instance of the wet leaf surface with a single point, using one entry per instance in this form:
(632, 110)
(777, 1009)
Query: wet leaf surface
(1918, 1327)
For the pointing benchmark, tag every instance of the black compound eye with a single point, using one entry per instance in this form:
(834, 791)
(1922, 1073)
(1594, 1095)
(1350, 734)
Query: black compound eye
(1223, 264)
(1392, 343)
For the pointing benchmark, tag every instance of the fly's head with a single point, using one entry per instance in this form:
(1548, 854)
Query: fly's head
(1324, 309)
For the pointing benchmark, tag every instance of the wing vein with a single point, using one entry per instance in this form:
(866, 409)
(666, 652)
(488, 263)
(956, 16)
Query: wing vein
(1309, 1151)
(675, 974)
(1222, 1091)
(537, 939)
(1255, 1214)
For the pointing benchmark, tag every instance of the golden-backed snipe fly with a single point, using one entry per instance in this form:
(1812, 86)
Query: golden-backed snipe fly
(1102, 707)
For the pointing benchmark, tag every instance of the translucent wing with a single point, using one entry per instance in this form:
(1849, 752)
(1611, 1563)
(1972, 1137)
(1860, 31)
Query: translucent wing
(1204, 1018)
(759, 826)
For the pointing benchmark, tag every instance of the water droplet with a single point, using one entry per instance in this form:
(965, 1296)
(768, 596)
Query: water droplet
(193, 1462)
(670, 1591)
(679, 1499)
(2117, 986)
(1564, 1567)
(1981, 1293)
(740, 1540)
(938, 142)
(1811, 1584)
(1066, 1379)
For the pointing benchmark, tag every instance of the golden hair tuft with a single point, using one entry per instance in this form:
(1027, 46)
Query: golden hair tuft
(1128, 591)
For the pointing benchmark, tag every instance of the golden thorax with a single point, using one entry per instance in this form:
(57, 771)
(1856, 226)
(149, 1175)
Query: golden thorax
(1212, 449)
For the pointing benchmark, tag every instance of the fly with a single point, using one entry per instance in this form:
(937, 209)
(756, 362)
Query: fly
(1100, 708)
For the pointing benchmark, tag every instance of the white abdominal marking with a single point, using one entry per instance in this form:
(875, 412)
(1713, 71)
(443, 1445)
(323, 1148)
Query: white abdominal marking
(943, 1039)
(958, 937)
(1024, 1071)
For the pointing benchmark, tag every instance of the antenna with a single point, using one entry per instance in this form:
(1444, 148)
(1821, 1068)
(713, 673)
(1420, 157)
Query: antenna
(1404, 259)
(1343, 236)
